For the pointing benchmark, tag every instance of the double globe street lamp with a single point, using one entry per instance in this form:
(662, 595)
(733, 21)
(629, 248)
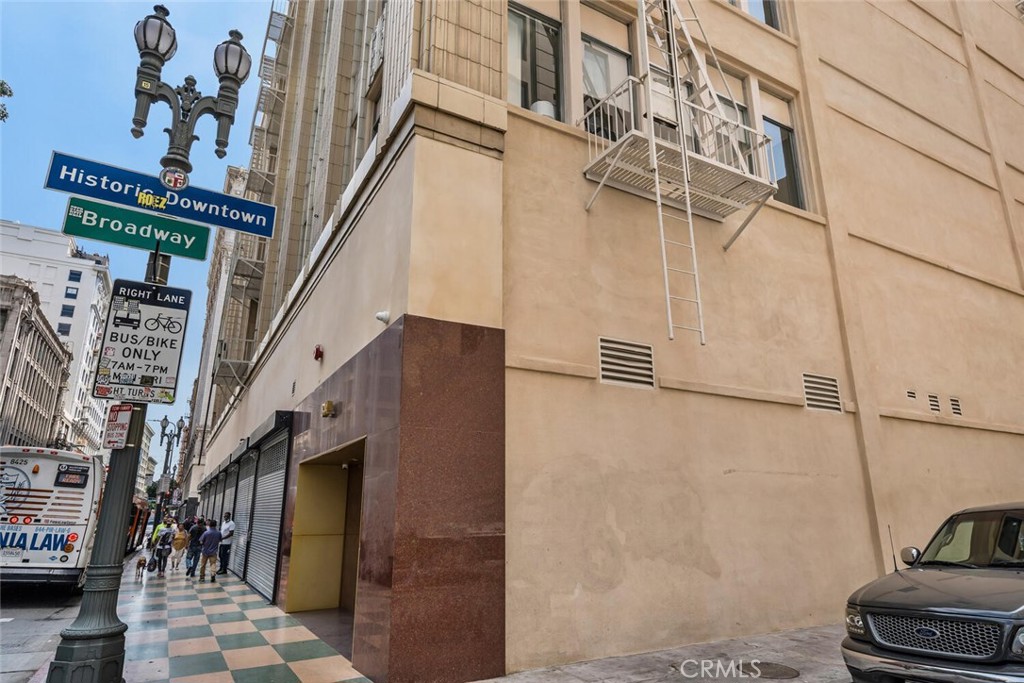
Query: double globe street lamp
(173, 436)
(92, 647)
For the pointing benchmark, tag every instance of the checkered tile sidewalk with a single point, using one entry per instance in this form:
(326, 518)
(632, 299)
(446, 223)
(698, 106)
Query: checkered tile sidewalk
(183, 631)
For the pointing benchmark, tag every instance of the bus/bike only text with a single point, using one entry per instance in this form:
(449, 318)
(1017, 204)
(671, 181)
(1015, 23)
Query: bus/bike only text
(147, 295)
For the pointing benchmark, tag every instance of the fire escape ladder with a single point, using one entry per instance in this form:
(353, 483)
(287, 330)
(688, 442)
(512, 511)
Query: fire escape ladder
(667, 135)
(665, 27)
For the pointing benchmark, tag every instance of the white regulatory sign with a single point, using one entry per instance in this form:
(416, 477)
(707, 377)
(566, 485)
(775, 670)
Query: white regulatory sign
(142, 343)
(118, 419)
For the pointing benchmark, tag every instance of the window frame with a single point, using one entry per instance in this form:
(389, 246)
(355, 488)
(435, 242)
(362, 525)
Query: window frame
(775, 13)
(74, 276)
(797, 174)
(632, 112)
(70, 292)
(559, 58)
(67, 311)
(63, 329)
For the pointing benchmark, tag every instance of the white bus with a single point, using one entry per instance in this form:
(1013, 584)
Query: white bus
(49, 504)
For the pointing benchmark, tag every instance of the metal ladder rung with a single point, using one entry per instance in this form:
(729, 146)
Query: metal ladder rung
(683, 298)
(687, 327)
(680, 270)
(679, 244)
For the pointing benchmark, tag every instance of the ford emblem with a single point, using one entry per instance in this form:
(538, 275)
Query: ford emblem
(925, 632)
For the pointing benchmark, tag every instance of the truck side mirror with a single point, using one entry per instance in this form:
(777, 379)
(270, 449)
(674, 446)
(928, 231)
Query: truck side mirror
(910, 555)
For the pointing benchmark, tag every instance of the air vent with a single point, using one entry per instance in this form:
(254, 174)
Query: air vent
(822, 393)
(911, 393)
(625, 362)
(954, 404)
(933, 403)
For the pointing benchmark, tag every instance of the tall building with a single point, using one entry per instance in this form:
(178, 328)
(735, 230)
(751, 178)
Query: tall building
(74, 292)
(209, 396)
(592, 328)
(147, 463)
(33, 368)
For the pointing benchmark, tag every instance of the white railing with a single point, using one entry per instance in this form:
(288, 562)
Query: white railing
(609, 119)
(707, 133)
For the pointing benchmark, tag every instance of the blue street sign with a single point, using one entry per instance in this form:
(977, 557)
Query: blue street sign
(139, 191)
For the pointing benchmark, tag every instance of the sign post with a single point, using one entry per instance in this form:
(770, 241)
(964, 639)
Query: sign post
(115, 436)
(142, 343)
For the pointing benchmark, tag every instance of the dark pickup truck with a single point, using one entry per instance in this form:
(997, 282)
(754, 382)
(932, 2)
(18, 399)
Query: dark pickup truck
(955, 615)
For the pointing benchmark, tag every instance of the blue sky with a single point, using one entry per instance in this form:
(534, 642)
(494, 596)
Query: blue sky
(72, 67)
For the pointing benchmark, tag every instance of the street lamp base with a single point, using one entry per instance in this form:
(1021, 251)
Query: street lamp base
(94, 660)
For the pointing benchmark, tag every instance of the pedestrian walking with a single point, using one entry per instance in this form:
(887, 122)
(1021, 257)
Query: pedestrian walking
(194, 547)
(164, 545)
(179, 543)
(227, 530)
(210, 541)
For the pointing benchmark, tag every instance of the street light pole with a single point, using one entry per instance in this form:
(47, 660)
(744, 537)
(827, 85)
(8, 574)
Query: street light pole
(92, 647)
(173, 436)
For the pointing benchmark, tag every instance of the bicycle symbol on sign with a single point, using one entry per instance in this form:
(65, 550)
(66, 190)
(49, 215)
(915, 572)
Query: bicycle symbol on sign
(166, 322)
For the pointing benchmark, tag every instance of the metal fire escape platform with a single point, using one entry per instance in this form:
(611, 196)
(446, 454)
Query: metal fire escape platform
(716, 190)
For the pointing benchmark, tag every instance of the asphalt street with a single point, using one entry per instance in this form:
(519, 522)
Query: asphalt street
(31, 619)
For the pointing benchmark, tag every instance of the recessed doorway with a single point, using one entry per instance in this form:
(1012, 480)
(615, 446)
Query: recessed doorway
(324, 562)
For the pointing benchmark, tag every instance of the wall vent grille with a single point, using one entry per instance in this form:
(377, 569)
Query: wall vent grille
(933, 403)
(954, 404)
(911, 393)
(822, 393)
(624, 362)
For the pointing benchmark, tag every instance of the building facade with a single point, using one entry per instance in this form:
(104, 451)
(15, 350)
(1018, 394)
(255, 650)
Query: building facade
(34, 366)
(147, 464)
(584, 334)
(74, 293)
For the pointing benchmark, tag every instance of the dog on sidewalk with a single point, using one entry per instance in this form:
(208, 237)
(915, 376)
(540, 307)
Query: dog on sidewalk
(140, 568)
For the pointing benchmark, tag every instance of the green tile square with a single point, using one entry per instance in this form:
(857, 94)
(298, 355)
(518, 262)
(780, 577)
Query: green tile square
(184, 612)
(195, 665)
(209, 602)
(234, 641)
(225, 617)
(146, 651)
(274, 622)
(250, 602)
(148, 625)
(188, 632)
(305, 649)
(278, 673)
(180, 598)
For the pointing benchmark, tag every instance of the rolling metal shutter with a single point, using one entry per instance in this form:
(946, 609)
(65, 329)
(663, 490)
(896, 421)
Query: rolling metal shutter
(243, 514)
(230, 484)
(218, 500)
(266, 516)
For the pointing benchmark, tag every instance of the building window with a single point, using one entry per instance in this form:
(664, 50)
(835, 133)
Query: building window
(71, 292)
(534, 63)
(785, 165)
(75, 276)
(67, 311)
(784, 169)
(765, 11)
(605, 68)
(63, 329)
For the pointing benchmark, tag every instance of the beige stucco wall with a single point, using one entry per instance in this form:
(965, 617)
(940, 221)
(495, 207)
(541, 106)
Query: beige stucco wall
(336, 309)
(623, 503)
(642, 519)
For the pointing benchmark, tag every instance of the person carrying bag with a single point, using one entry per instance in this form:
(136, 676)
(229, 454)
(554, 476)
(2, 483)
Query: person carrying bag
(164, 544)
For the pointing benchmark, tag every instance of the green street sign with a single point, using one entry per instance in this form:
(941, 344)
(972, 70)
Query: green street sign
(109, 223)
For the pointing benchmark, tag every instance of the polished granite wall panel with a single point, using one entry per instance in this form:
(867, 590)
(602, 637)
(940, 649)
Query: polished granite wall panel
(428, 397)
(448, 592)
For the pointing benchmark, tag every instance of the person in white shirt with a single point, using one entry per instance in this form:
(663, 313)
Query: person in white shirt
(227, 530)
